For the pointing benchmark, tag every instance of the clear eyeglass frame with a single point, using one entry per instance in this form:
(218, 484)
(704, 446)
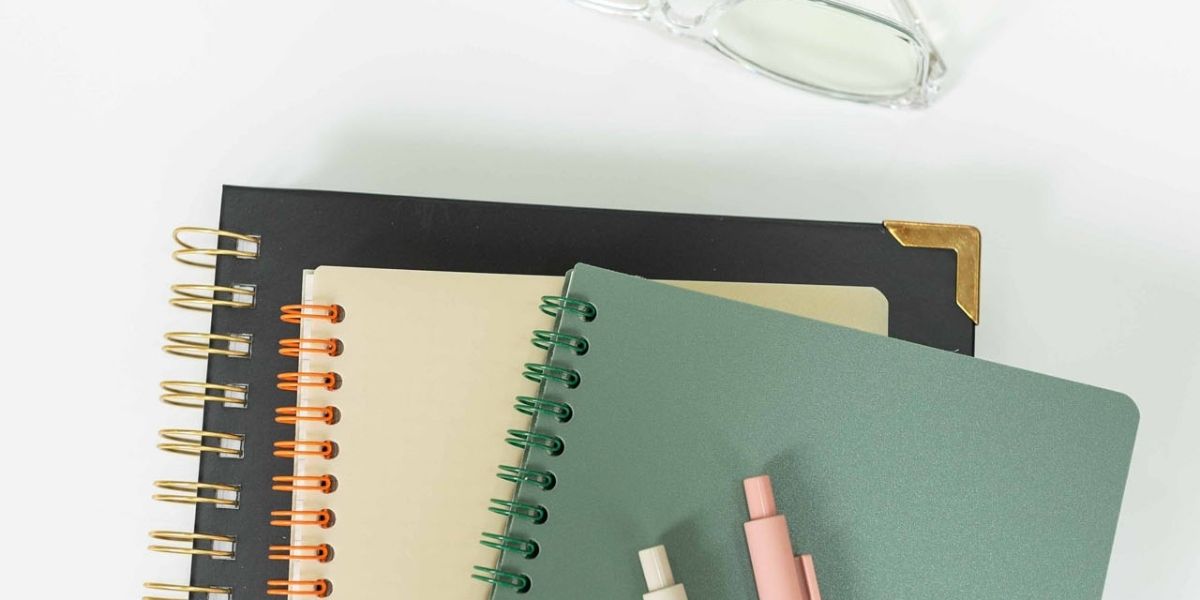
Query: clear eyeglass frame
(923, 69)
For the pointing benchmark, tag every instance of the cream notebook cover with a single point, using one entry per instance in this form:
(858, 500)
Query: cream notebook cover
(429, 370)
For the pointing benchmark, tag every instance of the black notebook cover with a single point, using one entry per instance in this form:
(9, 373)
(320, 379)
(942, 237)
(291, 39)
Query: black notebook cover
(305, 229)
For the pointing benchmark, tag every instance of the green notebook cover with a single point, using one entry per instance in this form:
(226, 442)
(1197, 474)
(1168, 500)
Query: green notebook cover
(907, 472)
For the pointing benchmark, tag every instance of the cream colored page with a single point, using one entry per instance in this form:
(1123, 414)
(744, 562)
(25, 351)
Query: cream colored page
(430, 367)
(861, 308)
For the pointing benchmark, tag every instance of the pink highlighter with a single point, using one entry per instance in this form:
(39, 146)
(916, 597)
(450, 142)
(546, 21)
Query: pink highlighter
(778, 573)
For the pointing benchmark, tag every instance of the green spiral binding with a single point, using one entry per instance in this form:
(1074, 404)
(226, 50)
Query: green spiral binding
(528, 405)
(534, 513)
(504, 543)
(556, 305)
(546, 339)
(547, 373)
(543, 479)
(543, 374)
(513, 581)
(525, 440)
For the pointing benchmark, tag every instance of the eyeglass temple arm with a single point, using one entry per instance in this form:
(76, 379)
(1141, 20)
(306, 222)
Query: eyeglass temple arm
(908, 13)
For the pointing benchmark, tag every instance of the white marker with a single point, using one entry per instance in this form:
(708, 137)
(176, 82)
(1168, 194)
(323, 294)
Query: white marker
(659, 579)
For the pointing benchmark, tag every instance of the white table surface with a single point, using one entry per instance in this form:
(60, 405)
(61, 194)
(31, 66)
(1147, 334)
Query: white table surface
(1068, 134)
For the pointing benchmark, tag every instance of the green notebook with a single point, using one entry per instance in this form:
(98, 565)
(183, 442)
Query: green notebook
(908, 472)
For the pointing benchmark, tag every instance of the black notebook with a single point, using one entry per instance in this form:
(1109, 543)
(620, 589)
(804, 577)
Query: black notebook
(928, 273)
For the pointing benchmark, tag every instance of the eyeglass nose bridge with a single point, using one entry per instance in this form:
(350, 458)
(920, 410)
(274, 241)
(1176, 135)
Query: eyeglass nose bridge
(682, 22)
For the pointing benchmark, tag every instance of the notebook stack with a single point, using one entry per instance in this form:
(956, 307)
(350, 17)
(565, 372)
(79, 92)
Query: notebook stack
(422, 398)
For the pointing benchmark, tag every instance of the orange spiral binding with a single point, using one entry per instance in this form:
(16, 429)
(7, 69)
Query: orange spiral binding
(319, 553)
(304, 483)
(291, 382)
(294, 313)
(300, 348)
(316, 588)
(294, 347)
(293, 448)
(286, 518)
(290, 415)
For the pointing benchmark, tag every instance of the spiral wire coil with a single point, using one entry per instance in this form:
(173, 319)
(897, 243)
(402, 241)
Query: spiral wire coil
(305, 449)
(186, 590)
(184, 542)
(205, 297)
(545, 374)
(205, 395)
(191, 254)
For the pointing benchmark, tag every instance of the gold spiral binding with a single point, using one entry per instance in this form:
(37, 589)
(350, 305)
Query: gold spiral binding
(194, 394)
(204, 297)
(187, 590)
(191, 441)
(188, 253)
(193, 492)
(200, 345)
(191, 539)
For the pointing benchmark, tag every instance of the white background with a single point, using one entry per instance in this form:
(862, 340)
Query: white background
(1068, 134)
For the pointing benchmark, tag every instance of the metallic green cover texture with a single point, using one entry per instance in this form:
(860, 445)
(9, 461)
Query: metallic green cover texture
(908, 472)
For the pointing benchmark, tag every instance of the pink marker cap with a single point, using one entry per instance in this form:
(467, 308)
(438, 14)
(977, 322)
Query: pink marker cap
(760, 497)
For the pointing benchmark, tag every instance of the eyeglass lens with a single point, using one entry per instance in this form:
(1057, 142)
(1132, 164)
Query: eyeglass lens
(821, 45)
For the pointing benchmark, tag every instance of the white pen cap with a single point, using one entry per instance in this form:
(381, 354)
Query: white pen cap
(659, 579)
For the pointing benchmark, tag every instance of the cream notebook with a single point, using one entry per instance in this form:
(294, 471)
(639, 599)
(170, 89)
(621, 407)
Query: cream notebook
(428, 372)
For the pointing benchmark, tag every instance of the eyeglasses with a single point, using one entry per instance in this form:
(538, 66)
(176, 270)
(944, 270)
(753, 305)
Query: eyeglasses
(817, 45)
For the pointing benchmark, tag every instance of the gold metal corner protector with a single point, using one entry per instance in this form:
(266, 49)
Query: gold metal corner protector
(966, 243)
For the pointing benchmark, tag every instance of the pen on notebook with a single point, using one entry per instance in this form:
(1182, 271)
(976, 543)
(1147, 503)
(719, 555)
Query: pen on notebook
(778, 573)
(659, 579)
